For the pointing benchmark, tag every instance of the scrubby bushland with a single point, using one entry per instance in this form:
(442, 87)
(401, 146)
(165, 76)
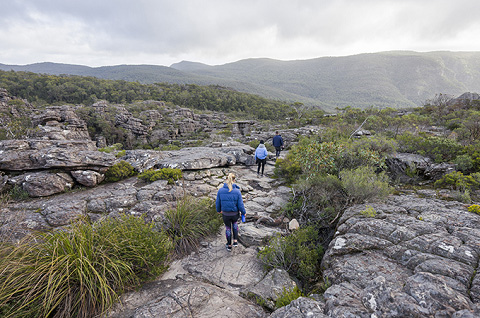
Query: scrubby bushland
(119, 171)
(190, 221)
(439, 149)
(364, 185)
(79, 271)
(169, 174)
(298, 253)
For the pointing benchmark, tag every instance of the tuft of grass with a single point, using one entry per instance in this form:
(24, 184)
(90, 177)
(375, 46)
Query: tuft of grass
(78, 272)
(287, 296)
(189, 222)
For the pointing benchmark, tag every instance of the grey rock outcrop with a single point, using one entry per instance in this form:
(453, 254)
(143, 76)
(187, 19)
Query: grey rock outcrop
(271, 287)
(407, 167)
(417, 258)
(59, 123)
(24, 155)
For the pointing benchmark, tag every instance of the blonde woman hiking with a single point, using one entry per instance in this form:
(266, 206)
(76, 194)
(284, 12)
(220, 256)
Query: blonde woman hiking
(230, 204)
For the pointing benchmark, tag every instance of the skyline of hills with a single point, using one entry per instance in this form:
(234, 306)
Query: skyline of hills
(387, 79)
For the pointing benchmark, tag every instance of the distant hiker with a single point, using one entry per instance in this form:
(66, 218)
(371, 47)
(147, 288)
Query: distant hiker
(278, 144)
(261, 157)
(230, 203)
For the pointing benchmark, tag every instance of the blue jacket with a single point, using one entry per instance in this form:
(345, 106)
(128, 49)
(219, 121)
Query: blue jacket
(261, 152)
(277, 141)
(230, 201)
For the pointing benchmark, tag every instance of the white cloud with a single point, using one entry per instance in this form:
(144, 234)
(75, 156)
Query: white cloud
(109, 32)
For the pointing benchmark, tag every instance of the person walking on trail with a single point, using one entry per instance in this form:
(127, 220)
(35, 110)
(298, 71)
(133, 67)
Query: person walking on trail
(278, 144)
(230, 204)
(261, 155)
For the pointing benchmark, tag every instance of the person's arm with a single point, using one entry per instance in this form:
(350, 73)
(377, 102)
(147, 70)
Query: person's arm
(218, 203)
(240, 205)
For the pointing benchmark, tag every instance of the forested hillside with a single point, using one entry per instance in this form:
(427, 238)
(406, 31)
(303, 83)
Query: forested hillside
(390, 79)
(50, 89)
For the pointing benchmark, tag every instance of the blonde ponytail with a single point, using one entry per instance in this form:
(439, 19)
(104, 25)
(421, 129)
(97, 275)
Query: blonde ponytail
(230, 181)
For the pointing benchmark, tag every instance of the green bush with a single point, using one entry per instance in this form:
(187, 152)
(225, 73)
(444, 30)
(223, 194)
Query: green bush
(316, 157)
(189, 222)
(464, 163)
(456, 180)
(363, 184)
(317, 200)
(369, 212)
(287, 296)
(119, 171)
(438, 148)
(112, 148)
(287, 169)
(298, 253)
(475, 208)
(169, 174)
(80, 271)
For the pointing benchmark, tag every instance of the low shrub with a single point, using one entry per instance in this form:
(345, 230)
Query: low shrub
(315, 157)
(363, 184)
(369, 212)
(287, 169)
(189, 222)
(78, 272)
(287, 296)
(438, 148)
(456, 180)
(475, 208)
(298, 253)
(169, 174)
(317, 200)
(119, 171)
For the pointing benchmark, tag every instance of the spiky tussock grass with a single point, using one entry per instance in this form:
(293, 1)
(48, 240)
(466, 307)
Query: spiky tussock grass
(190, 221)
(80, 271)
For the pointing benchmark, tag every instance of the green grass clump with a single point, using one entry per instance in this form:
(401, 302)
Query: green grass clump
(287, 296)
(78, 272)
(119, 171)
(189, 222)
(169, 174)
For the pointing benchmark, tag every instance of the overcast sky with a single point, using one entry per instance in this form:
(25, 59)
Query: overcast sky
(161, 32)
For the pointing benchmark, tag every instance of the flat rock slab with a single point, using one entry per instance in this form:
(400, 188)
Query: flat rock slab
(417, 257)
(185, 298)
(233, 270)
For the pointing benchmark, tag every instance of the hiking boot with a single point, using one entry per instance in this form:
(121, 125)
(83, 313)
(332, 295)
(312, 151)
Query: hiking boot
(229, 248)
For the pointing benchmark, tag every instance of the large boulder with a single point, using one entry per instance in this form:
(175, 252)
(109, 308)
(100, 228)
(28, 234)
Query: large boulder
(271, 287)
(42, 184)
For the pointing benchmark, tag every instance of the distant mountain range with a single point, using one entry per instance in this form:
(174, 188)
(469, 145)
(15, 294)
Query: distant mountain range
(387, 79)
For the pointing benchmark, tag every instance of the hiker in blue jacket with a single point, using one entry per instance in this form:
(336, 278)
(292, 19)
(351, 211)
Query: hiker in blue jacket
(261, 155)
(277, 143)
(230, 203)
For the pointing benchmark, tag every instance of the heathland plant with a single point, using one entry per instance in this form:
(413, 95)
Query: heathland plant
(363, 184)
(119, 171)
(79, 271)
(287, 296)
(298, 253)
(169, 174)
(191, 220)
(456, 180)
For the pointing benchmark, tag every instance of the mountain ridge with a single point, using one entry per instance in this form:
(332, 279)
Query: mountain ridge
(386, 79)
